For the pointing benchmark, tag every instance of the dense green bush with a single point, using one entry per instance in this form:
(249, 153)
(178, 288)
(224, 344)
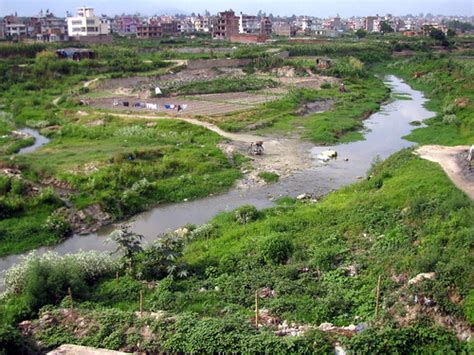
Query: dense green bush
(246, 214)
(276, 250)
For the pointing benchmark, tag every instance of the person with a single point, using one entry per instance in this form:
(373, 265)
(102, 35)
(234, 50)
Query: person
(342, 88)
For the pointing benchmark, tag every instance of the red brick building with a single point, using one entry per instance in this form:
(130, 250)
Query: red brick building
(225, 25)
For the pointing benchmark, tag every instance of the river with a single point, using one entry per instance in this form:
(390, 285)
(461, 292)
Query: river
(383, 137)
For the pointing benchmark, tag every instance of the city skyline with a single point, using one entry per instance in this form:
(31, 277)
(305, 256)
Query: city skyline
(344, 8)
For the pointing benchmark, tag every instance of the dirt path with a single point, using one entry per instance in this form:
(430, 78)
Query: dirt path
(88, 83)
(283, 156)
(454, 163)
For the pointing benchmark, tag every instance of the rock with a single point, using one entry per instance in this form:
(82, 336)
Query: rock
(339, 350)
(67, 349)
(303, 196)
(326, 326)
(420, 277)
(346, 159)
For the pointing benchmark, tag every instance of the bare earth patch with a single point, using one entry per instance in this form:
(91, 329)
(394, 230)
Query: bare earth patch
(453, 160)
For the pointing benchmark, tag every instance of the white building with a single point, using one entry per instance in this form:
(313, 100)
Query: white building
(85, 23)
(16, 30)
(248, 24)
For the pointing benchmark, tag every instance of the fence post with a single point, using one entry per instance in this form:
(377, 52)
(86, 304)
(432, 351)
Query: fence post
(141, 302)
(377, 297)
(70, 297)
(256, 309)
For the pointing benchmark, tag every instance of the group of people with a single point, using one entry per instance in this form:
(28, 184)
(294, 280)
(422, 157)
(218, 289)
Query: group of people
(149, 106)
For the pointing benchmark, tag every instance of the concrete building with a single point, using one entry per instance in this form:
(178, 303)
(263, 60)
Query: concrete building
(225, 25)
(16, 30)
(248, 24)
(126, 24)
(52, 28)
(284, 29)
(202, 24)
(150, 30)
(85, 23)
(266, 26)
(2, 29)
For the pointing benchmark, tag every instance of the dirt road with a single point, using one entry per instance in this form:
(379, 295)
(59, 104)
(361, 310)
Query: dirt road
(283, 156)
(453, 160)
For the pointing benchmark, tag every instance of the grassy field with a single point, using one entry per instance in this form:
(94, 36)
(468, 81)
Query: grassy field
(125, 167)
(339, 124)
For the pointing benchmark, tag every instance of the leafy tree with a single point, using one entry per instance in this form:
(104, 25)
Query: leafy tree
(385, 27)
(360, 33)
(451, 33)
(437, 34)
(128, 243)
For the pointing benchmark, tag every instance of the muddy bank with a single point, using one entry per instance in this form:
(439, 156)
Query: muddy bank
(454, 162)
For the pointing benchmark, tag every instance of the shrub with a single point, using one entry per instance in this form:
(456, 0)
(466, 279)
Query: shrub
(57, 224)
(92, 265)
(246, 214)
(48, 284)
(276, 250)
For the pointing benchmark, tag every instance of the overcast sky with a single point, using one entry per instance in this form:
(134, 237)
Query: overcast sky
(320, 8)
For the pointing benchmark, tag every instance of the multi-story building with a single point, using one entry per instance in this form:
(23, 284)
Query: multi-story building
(85, 23)
(266, 26)
(2, 29)
(16, 30)
(126, 24)
(284, 29)
(248, 24)
(52, 28)
(225, 25)
(371, 23)
(149, 30)
(202, 24)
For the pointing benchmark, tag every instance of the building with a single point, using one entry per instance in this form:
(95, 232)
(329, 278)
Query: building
(370, 24)
(2, 29)
(150, 30)
(126, 24)
(85, 23)
(248, 24)
(225, 25)
(169, 28)
(202, 24)
(52, 28)
(16, 30)
(284, 29)
(266, 26)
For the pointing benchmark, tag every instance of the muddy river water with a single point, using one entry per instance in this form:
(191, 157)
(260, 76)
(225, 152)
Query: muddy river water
(383, 137)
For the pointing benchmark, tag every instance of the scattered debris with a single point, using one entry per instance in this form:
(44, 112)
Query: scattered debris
(420, 277)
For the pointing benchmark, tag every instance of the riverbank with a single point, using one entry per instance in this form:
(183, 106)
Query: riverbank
(385, 130)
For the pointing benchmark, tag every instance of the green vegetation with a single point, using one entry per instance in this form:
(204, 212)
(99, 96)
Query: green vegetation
(321, 260)
(448, 84)
(221, 85)
(269, 177)
(392, 253)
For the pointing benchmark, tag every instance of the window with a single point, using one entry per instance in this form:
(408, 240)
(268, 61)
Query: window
(91, 29)
(76, 22)
(91, 22)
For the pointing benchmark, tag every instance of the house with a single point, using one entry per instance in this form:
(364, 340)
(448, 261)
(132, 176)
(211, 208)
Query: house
(150, 30)
(85, 23)
(248, 24)
(75, 53)
(266, 26)
(225, 25)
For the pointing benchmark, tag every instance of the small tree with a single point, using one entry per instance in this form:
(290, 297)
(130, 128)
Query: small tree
(437, 34)
(385, 27)
(128, 244)
(360, 33)
(451, 33)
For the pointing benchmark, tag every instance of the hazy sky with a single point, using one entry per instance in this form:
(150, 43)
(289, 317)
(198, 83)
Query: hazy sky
(320, 8)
